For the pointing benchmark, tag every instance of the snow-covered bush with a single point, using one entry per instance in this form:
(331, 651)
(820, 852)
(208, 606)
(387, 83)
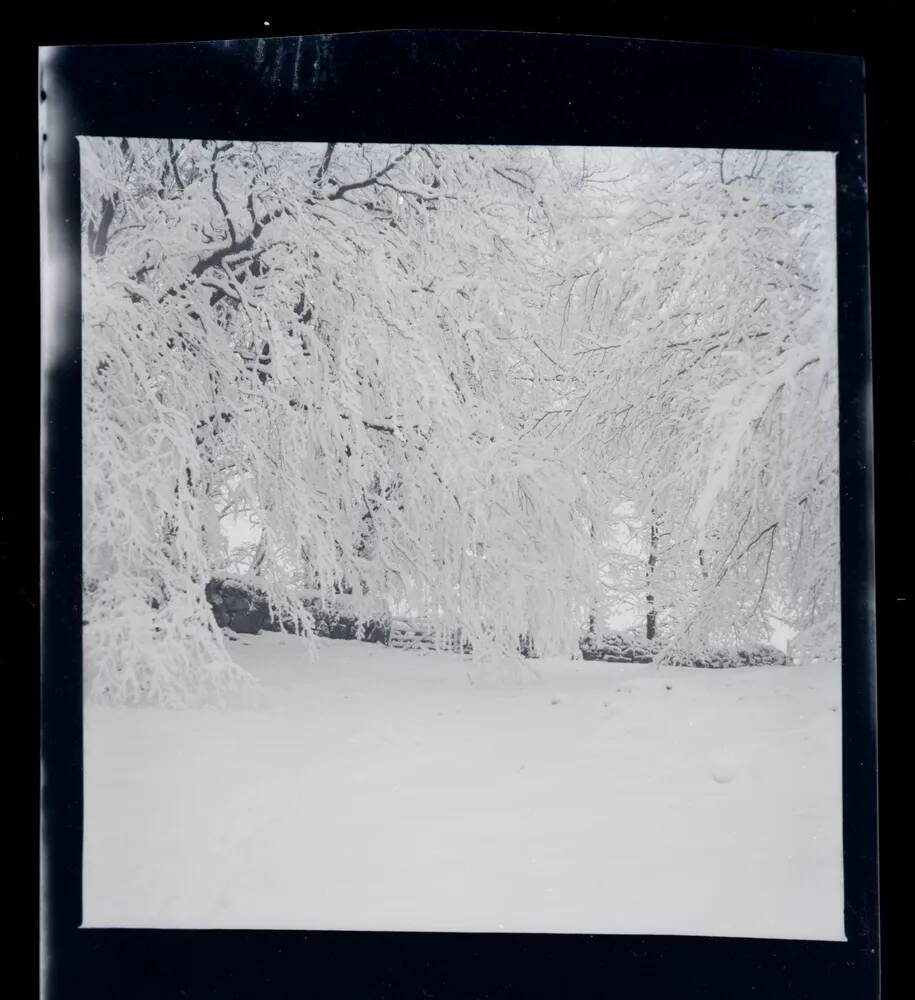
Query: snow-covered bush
(617, 647)
(757, 655)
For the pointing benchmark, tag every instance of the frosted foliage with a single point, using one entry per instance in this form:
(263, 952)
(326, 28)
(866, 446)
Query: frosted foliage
(471, 382)
(713, 381)
(266, 335)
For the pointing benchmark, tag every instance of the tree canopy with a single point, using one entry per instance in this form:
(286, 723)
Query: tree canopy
(514, 388)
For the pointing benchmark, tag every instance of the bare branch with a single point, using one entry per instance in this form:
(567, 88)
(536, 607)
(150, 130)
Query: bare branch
(355, 185)
(325, 163)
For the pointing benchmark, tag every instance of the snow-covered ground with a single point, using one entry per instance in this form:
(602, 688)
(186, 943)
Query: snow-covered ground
(379, 789)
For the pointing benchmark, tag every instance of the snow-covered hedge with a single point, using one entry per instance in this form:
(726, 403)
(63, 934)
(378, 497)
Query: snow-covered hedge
(619, 647)
(757, 655)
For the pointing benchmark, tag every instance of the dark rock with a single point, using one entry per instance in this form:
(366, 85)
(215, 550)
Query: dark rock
(376, 631)
(235, 600)
(248, 622)
(223, 618)
(241, 607)
(237, 605)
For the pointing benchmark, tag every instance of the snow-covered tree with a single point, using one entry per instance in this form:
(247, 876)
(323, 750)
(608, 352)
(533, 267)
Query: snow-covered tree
(707, 356)
(516, 389)
(325, 340)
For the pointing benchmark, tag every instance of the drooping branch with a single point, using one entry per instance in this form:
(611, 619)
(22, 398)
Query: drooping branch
(761, 535)
(765, 579)
(524, 187)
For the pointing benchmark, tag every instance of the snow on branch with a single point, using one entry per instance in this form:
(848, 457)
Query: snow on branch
(608, 395)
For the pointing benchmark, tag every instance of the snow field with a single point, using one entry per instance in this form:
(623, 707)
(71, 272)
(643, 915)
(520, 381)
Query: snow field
(378, 789)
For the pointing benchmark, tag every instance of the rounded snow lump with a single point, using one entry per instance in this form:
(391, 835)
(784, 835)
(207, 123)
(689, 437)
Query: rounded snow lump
(724, 769)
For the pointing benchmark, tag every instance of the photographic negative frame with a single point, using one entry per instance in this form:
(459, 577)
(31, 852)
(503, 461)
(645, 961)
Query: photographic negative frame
(445, 87)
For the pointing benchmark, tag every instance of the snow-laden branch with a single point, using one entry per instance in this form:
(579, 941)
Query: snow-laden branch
(344, 189)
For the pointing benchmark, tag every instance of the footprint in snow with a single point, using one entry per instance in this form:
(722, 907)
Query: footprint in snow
(724, 769)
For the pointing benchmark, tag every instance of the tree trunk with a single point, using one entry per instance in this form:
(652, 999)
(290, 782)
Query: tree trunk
(592, 622)
(651, 618)
(260, 553)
